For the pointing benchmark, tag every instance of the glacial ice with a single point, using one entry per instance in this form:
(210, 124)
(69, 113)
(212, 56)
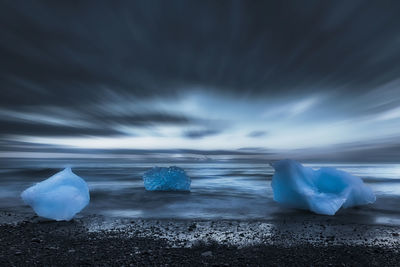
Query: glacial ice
(59, 197)
(166, 179)
(322, 191)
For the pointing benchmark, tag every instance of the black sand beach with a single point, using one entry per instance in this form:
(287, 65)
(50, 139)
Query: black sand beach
(310, 240)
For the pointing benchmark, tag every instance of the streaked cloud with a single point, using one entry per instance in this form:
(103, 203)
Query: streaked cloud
(257, 134)
(200, 75)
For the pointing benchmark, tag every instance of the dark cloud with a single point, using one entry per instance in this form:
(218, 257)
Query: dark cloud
(79, 56)
(257, 134)
(91, 123)
(38, 129)
(143, 119)
(197, 134)
(67, 53)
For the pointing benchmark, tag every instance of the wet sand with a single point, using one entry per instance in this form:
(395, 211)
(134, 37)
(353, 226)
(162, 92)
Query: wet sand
(94, 240)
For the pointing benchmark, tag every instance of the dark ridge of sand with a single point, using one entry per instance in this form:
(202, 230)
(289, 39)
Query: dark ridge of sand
(94, 240)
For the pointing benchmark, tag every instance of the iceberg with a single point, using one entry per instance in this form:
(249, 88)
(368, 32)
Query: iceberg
(166, 179)
(59, 197)
(322, 191)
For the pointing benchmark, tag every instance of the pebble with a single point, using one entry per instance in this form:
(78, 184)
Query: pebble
(36, 240)
(207, 254)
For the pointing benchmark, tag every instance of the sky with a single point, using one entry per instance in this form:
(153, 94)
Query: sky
(302, 77)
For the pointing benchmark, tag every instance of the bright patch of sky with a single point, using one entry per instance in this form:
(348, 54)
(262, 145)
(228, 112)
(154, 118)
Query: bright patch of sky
(307, 121)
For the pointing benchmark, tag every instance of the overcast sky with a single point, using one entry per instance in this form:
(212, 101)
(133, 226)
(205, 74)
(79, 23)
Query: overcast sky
(209, 75)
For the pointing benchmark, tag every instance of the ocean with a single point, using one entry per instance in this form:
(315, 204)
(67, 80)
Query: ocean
(220, 190)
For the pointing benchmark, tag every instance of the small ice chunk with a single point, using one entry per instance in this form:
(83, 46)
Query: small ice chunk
(166, 179)
(59, 197)
(322, 191)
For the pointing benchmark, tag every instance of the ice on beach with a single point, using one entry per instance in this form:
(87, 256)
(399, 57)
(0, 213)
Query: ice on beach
(59, 197)
(322, 191)
(166, 179)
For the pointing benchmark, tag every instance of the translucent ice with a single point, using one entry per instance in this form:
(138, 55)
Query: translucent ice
(166, 179)
(59, 197)
(323, 191)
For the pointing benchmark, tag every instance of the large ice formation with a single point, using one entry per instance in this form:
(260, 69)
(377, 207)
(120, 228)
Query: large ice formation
(59, 197)
(322, 191)
(166, 179)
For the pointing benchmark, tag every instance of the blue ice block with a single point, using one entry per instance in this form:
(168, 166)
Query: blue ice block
(59, 197)
(166, 179)
(322, 191)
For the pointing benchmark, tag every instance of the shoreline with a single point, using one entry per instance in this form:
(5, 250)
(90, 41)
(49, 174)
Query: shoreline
(96, 240)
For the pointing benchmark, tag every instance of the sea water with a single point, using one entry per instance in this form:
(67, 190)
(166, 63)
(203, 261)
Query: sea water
(219, 190)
